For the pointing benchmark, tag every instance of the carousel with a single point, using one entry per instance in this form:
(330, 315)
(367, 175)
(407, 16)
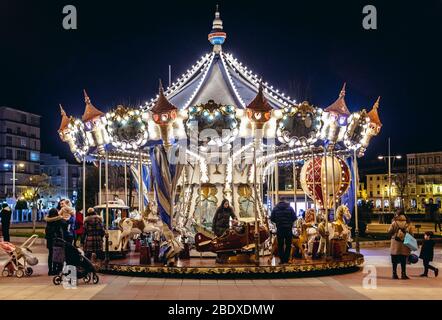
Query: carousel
(220, 132)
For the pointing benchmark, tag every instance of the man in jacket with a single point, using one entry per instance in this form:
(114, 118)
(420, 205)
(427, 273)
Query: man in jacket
(283, 216)
(5, 215)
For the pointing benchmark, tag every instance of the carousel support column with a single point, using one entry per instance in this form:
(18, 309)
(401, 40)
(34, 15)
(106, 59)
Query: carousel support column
(106, 181)
(141, 191)
(295, 186)
(99, 182)
(125, 184)
(355, 175)
(84, 186)
(325, 204)
(314, 182)
(333, 181)
(276, 181)
(255, 203)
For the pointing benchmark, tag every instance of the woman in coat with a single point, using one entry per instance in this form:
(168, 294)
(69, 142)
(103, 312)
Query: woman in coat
(222, 217)
(399, 252)
(93, 235)
(55, 228)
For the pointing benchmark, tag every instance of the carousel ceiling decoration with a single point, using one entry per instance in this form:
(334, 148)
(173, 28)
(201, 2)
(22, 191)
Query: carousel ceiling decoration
(127, 127)
(211, 116)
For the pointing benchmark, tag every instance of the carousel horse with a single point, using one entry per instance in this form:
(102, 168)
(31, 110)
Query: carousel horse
(312, 231)
(341, 229)
(299, 240)
(325, 230)
(130, 227)
(306, 234)
(170, 247)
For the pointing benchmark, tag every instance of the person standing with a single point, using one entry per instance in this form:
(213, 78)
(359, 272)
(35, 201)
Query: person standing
(222, 217)
(55, 228)
(427, 254)
(399, 251)
(68, 213)
(93, 235)
(5, 216)
(283, 216)
(79, 228)
(433, 211)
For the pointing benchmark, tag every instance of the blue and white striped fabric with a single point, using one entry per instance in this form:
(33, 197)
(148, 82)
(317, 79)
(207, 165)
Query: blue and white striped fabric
(146, 180)
(165, 178)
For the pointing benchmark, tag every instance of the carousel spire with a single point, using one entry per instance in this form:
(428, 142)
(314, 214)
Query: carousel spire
(373, 114)
(260, 103)
(339, 106)
(64, 119)
(162, 105)
(217, 36)
(90, 112)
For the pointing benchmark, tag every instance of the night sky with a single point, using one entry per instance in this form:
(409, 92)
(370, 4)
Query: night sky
(307, 49)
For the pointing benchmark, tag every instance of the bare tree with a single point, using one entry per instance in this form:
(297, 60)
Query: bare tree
(39, 186)
(400, 180)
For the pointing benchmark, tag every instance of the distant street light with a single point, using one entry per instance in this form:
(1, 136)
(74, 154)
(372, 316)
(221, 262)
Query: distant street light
(13, 165)
(389, 157)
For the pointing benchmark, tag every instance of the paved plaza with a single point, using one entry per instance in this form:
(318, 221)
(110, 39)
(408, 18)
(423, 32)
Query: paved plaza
(347, 286)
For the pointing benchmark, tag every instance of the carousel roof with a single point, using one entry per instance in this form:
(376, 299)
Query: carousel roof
(339, 106)
(220, 77)
(162, 104)
(373, 114)
(64, 119)
(90, 112)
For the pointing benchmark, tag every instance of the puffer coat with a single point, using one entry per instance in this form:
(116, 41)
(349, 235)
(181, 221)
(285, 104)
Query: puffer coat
(397, 247)
(221, 220)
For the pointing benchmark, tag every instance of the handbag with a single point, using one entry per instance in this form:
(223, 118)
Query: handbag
(410, 242)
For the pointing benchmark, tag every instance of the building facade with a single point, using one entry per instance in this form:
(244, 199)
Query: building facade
(424, 173)
(19, 150)
(64, 178)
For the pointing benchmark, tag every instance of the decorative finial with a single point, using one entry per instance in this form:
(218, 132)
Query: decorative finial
(86, 97)
(342, 93)
(161, 89)
(217, 36)
(376, 104)
(63, 113)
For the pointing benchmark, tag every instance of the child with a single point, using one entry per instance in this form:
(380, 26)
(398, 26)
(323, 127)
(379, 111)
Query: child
(427, 253)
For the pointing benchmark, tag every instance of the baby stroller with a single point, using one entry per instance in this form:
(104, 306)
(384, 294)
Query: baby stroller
(64, 252)
(20, 258)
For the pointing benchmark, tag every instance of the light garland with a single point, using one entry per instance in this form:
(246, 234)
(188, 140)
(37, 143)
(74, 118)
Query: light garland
(119, 123)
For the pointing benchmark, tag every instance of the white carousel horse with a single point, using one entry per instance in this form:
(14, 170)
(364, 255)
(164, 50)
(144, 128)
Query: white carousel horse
(130, 227)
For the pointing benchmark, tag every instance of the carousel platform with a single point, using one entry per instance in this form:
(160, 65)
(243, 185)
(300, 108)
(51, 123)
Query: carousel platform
(206, 267)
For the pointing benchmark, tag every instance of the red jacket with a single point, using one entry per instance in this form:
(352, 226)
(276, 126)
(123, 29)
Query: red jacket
(79, 227)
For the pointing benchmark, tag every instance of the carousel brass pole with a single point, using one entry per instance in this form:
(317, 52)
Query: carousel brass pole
(333, 180)
(140, 189)
(314, 183)
(125, 184)
(277, 181)
(355, 184)
(256, 204)
(325, 204)
(295, 186)
(106, 180)
(84, 186)
(99, 182)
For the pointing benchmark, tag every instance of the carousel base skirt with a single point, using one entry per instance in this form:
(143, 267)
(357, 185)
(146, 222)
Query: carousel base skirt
(208, 268)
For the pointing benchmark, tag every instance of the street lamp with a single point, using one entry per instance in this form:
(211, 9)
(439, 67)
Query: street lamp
(389, 157)
(13, 165)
